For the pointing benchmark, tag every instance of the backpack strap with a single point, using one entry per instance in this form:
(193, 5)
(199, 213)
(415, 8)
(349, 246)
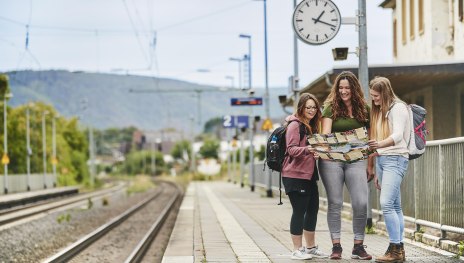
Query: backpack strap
(280, 189)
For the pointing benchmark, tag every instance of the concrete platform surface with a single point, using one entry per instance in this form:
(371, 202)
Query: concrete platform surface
(221, 222)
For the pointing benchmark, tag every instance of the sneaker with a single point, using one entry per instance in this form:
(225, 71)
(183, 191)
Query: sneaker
(316, 253)
(336, 251)
(300, 254)
(360, 253)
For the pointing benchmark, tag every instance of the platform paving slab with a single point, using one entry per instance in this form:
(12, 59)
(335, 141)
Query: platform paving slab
(222, 222)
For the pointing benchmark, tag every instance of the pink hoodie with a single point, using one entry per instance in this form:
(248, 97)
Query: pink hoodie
(299, 162)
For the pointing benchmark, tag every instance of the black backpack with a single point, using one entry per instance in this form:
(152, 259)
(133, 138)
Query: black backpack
(276, 149)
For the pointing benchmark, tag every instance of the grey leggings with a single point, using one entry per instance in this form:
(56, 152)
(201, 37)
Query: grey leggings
(334, 175)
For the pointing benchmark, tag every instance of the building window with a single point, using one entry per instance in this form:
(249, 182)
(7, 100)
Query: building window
(420, 8)
(395, 32)
(403, 21)
(411, 19)
(460, 9)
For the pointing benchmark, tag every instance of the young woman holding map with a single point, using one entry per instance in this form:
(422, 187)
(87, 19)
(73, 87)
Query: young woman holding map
(345, 109)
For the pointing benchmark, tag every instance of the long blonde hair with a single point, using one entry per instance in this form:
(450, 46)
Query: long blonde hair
(379, 112)
(313, 125)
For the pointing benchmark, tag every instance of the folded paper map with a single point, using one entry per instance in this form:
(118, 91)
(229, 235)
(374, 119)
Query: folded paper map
(349, 146)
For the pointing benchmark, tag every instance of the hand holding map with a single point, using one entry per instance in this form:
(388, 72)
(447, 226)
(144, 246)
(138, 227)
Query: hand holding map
(349, 146)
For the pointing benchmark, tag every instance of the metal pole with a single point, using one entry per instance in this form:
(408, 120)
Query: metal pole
(363, 76)
(92, 157)
(192, 151)
(252, 157)
(363, 65)
(5, 146)
(249, 62)
(54, 150)
(266, 95)
(242, 158)
(153, 161)
(234, 163)
(199, 107)
(295, 66)
(44, 149)
(229, 176)
(28, 149)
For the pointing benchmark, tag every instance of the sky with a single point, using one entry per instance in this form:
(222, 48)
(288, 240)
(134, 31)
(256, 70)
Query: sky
(190, 40)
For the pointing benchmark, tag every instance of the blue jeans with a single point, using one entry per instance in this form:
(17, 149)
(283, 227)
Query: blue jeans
(390, 170)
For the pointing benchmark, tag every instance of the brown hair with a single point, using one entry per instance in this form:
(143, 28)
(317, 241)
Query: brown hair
(312, 125)
(358, 103)
(379, 112)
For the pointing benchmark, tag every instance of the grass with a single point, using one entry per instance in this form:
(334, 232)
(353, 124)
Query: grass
(140, 184)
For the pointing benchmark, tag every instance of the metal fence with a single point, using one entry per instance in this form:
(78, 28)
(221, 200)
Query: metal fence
(18, 182)
(432, 191)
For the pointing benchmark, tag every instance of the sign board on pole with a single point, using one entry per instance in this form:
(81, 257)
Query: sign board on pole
(267, 125)
(5, 159)
(242, 121)
(230, 121)
(253, 101)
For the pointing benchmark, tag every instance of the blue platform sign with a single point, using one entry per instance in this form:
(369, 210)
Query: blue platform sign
(230, 121)
(242, 121)
(253, 101)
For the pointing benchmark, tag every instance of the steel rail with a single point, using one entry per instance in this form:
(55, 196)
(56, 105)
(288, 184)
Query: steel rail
(23, 212)
(69, 252)
(142, 247)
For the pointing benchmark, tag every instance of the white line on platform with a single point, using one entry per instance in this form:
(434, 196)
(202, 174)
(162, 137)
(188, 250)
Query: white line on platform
(244, 247)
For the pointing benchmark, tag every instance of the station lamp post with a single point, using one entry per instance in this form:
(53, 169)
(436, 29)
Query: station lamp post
(44, 149)
(266, 92)
(28, 145)
(248, 57)
(5, 159)
(54, 159)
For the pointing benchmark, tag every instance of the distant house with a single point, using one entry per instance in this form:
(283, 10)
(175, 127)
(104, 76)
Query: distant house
(428, 69)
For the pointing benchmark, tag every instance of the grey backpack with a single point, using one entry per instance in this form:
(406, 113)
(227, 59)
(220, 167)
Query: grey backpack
(417, 141)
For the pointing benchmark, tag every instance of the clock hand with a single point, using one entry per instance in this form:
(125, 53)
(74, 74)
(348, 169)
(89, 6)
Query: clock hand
(319, 17)
(325, 23)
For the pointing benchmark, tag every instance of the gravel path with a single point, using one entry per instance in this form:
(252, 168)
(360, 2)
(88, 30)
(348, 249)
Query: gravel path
(41, 238)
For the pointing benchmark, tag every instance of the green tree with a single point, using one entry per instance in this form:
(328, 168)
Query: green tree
(214, 126)
(180, 148)
(140, 163)
(71, 144)
(210, 148)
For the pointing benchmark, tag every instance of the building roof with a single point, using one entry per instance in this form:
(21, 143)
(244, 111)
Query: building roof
(403, 77)
(388, 4)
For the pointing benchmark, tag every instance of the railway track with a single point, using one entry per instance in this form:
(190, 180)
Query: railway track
(126, 237)
(18, 215)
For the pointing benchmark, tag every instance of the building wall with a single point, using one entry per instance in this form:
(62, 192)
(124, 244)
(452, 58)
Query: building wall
(444, 112)
(441, 39)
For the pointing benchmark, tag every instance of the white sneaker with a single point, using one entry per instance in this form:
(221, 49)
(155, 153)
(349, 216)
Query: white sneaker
(315, 252)
(300, 254)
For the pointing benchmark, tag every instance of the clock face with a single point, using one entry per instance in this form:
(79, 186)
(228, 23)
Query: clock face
(316, 21)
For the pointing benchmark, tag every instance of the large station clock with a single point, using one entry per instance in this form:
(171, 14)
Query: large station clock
(316, 21)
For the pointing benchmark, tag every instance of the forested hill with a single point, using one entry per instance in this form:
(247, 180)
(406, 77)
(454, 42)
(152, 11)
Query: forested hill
(110, 104)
